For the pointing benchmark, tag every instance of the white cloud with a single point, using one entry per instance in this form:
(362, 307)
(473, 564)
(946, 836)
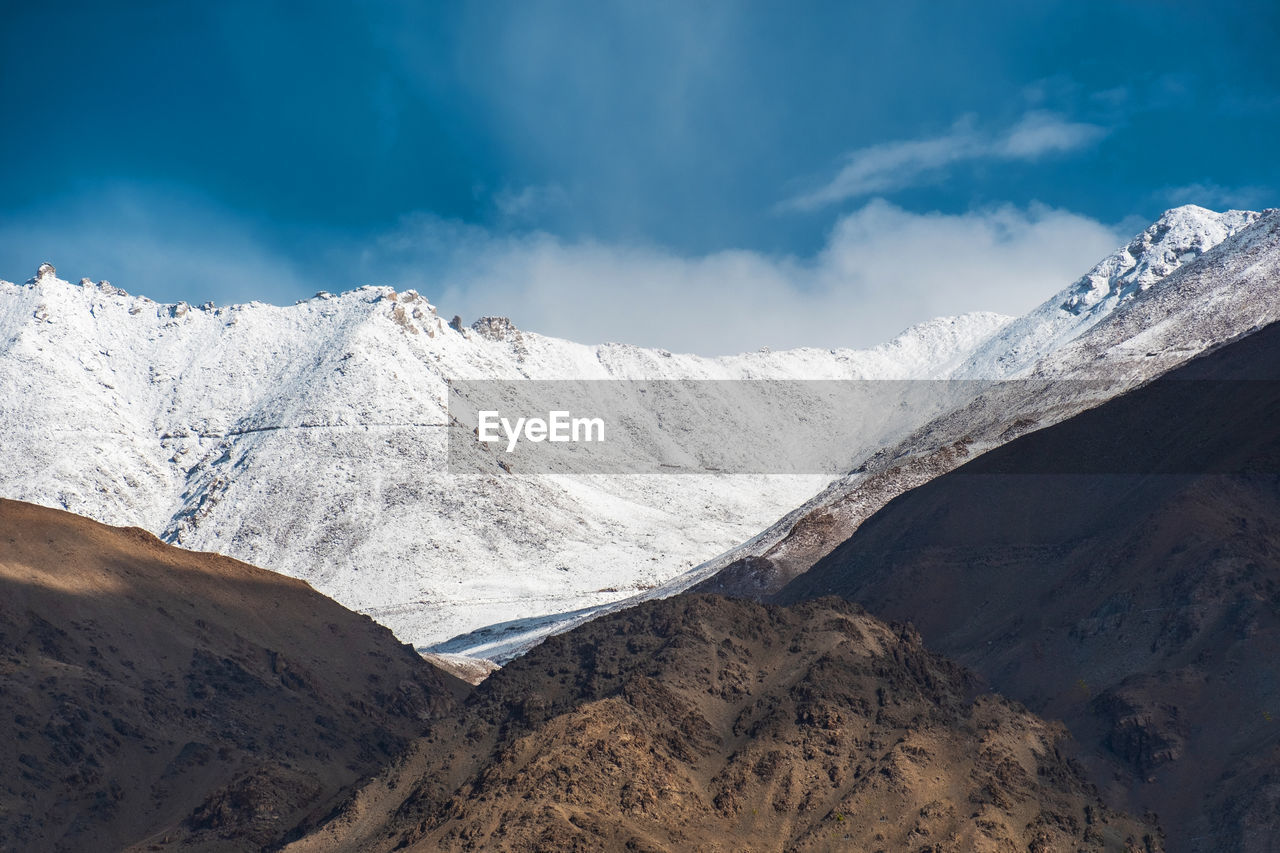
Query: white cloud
(895, 165)
(883, 268)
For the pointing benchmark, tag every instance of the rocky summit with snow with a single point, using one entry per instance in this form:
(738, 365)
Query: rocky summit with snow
(312, 439)
(1178, 237)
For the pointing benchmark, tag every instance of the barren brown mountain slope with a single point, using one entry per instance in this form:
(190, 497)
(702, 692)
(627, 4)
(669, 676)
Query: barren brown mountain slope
(156, 697)
(1119, 571)
(702, 723)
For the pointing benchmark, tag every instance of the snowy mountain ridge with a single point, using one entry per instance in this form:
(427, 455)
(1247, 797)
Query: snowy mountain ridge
(311, 439)
(1222, 281)
(1211, 296)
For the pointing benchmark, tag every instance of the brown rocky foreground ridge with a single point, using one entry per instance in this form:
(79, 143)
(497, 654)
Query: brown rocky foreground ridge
(161, 698)
(157, 699)
(1121, 572)
(703, 723)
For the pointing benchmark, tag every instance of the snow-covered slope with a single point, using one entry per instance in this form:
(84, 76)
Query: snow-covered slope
(311, 440)
(1193, 280)
(1179, 236)
(1213, 294)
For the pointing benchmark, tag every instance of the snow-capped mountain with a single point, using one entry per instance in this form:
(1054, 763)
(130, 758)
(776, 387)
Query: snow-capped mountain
(1193, 280)
(1140, 328)
(312, 440)
(1178, 237)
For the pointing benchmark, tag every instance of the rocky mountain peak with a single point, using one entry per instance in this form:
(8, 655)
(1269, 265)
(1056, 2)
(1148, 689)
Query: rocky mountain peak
(495, 328)
(44, 273)
(1181, 235)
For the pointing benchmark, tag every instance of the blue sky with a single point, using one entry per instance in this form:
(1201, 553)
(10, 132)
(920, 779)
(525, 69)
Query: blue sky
(702, 176)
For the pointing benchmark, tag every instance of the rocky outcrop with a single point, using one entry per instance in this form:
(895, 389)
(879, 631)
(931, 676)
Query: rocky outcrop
(708, 723)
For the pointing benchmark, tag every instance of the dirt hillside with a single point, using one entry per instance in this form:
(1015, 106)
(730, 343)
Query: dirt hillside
(156, 697)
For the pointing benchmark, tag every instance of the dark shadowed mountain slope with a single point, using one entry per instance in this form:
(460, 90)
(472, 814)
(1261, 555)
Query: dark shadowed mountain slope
(1119, 571)
(159, 697)
(703, 723)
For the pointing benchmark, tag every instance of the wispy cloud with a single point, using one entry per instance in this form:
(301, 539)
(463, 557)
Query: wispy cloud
(1039, 133)
(530, 203)
(895, 165)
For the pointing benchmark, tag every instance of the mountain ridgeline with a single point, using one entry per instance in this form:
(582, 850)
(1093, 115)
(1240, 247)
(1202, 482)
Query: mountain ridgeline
(312, 440)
